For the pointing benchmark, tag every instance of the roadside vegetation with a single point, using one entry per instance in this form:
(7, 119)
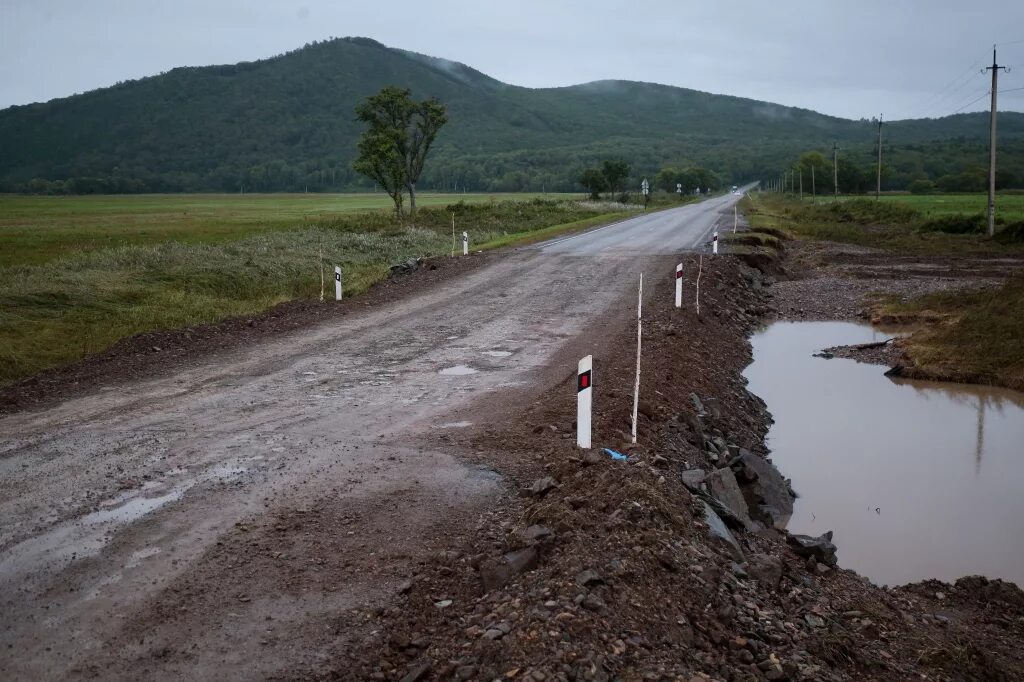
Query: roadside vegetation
(36, 229)
(972, 336)
(59, 307)
(906, 226)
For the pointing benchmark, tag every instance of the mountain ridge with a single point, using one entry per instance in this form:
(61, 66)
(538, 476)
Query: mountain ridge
(287, 123)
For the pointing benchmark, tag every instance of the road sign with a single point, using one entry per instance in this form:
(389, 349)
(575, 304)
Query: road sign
(679, 187)
(645, 187)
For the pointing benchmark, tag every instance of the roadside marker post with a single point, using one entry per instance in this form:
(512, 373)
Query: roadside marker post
(679, 285)
(465, 243)
(337, 282)
(700, 269)
(636, 385)
(735, 218)
(714, 244)
(584, 400)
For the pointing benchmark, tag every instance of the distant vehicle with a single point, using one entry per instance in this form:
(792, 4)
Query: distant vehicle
(734, 189)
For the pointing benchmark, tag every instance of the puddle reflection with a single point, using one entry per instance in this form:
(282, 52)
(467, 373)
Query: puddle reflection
(918, 479)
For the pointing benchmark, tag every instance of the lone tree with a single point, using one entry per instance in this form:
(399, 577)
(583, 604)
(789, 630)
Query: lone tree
(615, 171)
(593, 181)
(394, 147)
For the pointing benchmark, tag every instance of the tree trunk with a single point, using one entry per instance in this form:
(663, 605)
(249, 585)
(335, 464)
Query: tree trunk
(412, 199)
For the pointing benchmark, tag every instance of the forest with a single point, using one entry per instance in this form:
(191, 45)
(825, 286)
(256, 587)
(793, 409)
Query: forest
(288, 124)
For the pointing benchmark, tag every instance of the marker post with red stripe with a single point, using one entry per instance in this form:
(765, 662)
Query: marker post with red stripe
(584, 401)
(679, 285)
(714, 244)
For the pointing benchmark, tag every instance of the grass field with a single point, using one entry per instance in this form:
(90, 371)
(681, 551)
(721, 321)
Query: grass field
(36, 229)
(74, 282)
(903, 223)
(973, 336)
(1009, 207)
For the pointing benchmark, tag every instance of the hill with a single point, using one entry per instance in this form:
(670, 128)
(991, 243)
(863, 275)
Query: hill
(287, 124)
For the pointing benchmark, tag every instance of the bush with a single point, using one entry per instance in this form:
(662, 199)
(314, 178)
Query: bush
(922, 187)
(1011, 234)
(955, 224)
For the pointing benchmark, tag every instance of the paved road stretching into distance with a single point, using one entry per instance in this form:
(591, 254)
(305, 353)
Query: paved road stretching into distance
(114, 504)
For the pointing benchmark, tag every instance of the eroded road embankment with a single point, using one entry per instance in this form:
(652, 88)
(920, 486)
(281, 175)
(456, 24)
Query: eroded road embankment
(215, 522)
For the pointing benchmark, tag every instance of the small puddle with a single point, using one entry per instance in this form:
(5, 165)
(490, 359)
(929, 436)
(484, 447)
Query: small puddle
(917, 479)
(82, 537)
(455, 425)
(457, 371)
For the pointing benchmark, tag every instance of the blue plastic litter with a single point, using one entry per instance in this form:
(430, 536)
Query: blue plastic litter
(615, 455)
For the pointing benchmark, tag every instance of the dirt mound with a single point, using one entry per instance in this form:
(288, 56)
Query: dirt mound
(610, 569)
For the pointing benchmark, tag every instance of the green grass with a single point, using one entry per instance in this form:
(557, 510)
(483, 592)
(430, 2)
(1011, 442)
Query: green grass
(78, 303)
(971, 336)
(1008, 206)
(37, 229)
(891, 224)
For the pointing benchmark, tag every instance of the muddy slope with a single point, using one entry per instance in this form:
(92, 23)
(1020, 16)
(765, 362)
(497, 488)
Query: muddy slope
(607, 569)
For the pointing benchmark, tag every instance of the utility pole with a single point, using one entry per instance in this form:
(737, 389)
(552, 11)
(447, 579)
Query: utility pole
(992, 146)
(812, 184)
(878, 177)
(835, 171)
(801, 184)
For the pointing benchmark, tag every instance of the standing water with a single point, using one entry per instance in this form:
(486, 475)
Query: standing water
(917, 479)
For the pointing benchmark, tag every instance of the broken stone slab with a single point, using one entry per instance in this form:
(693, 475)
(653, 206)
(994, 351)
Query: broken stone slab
(721, 532)
(496, 573)
(536, 533)
(693, 478)
(766, 568)
(821, 547)
(697, 404)
(588, 577)
(722, 486)
(541, 487)
(764, 488)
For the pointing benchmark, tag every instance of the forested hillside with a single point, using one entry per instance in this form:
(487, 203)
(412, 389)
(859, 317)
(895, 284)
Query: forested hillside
(287, 124)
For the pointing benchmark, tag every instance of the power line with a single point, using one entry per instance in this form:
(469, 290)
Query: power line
(981, 97)
(952, 88)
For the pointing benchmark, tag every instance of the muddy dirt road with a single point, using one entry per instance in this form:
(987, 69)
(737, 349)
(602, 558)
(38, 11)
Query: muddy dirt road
(114, 505)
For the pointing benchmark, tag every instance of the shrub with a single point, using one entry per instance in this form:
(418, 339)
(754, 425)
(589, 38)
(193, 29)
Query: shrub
(922, 187)
(959, 223)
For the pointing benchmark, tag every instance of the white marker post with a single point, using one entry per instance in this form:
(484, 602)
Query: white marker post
(584, 401)
(337, 282)
(679, 285)
(714, 244)
(636, 385)
(700, 269)
(735, 218)
(465, 243)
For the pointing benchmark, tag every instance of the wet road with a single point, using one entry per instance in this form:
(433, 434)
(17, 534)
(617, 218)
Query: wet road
(109, 501)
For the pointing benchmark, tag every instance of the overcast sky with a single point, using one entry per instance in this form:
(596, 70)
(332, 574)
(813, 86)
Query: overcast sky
(852, 59)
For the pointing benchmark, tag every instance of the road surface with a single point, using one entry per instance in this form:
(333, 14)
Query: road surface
(116, 508)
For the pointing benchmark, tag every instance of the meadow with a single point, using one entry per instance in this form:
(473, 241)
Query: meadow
(80, 273)
(35, 229)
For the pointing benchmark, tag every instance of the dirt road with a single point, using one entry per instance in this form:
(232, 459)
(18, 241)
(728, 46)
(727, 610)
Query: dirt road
(116, 507)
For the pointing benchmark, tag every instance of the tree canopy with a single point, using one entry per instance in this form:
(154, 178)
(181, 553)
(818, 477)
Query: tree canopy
(393, 149)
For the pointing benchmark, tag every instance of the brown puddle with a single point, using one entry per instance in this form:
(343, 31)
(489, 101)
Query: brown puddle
(917, 479)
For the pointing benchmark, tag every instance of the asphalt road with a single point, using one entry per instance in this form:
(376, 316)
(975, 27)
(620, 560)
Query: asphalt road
(116, 508)
(664, 232)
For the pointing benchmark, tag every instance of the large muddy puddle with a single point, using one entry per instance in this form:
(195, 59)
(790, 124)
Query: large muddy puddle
(917, 479)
